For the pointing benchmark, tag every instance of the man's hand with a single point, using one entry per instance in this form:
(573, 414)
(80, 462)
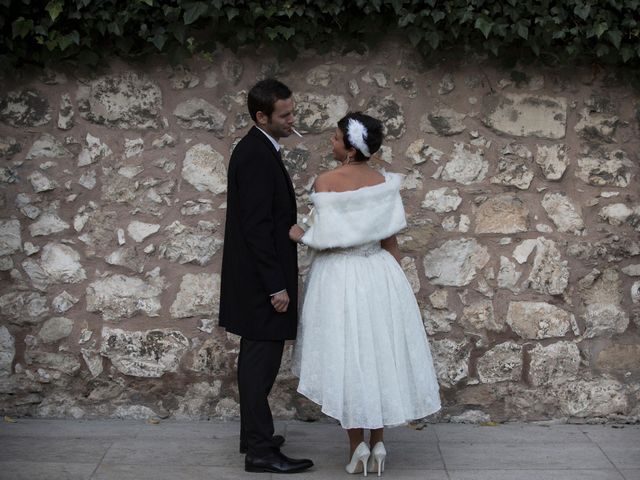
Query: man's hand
(280, 301)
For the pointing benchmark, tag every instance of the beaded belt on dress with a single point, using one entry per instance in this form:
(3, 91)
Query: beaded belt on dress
(363, 250)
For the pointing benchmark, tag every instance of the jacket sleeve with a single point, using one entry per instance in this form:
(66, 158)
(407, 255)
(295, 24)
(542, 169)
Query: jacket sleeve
(255, 177)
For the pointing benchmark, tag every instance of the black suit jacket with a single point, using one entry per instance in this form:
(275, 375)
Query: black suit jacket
(258, 258)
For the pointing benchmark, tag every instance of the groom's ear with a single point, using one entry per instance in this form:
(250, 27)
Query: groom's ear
(261, 118)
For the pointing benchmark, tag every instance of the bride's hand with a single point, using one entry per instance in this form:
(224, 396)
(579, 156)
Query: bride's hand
(296, 233)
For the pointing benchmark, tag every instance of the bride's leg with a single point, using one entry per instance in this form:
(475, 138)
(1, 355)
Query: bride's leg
(376, 436)
(356, 436)
(378, 452)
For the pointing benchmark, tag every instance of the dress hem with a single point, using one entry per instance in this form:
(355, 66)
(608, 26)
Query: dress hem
(372, 426)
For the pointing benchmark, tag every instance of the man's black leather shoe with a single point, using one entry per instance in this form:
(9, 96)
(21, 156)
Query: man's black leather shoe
(278, 441)
(276, 462)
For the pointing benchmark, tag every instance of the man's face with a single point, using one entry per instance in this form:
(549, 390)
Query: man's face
(281, 121)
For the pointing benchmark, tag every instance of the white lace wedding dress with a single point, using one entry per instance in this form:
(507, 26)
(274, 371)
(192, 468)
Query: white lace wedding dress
(361, 351)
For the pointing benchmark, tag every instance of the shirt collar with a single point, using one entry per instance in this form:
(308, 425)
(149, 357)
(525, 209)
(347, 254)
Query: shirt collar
(276, 145)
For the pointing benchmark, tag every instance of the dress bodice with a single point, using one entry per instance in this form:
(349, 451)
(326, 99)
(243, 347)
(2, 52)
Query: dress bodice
(342, 220)
(364, 250)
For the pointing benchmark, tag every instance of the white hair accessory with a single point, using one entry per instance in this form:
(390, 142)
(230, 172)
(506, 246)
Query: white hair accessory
(357, 133)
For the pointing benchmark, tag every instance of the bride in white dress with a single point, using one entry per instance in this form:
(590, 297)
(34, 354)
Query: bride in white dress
(362, 352)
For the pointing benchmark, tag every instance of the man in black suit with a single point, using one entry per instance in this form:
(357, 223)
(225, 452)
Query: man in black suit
(259, 290)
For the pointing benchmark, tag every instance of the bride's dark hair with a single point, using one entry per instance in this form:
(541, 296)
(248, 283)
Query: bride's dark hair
(374, 133)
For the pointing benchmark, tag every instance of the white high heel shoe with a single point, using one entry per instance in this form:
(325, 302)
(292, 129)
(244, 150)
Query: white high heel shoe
(360, 455)
(377, 457)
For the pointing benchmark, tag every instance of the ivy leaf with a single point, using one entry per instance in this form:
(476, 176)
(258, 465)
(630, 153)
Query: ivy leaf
(21, 27)
(437, 15)
(500, 29)
(54, 8)
(271, 32)
(582, 11)
(287, 32)
(115, 28)
(159, 39)
(492, 45)
(601, 50)
(232, 12)
(536, 48)
(466, 16)
(148, 2)
(52, 42)
(559, 34)
(522, 30)
(626, 53)
(397, 6)
(65, 41)
(616, 37)
(406, 19)
(179, 31)
(433, 38)
(484, 26)
(415, 36)
(600, 28)
(194, 12)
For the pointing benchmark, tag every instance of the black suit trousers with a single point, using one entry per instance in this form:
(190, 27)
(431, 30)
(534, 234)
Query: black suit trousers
(258, 365)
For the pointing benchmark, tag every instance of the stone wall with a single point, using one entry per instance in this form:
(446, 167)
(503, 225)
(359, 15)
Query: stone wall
(522, 200)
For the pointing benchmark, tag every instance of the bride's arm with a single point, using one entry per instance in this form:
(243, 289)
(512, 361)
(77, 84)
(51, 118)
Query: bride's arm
(390, 244)
(320, 185)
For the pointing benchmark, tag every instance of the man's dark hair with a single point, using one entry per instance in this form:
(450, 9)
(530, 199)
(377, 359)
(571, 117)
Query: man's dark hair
(374, 133)
(263, 96)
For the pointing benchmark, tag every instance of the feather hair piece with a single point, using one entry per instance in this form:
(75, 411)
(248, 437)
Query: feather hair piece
(357, 133)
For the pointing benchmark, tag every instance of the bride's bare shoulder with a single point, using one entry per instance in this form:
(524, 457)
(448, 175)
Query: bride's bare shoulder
(342, 181)
(325, 182)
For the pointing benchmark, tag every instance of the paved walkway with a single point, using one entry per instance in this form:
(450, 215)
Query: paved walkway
(136, 450)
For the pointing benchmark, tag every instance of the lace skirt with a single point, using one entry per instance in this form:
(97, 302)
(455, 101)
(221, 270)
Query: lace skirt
(362, 352)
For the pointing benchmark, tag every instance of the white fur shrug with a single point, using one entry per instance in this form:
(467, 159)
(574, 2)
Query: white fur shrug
(347, 219)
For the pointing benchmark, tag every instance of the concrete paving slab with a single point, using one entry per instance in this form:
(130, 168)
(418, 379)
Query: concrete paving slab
(108, 471)
(633, 474)
(195, 430)
(612, 433)
(536, 456)
(400, 455)
(174, 452)
(325, 473)
(28, 427)
(53, 449)
(298, 432)
(426, 434)
(46, 471)
(128, 450)
(509, 433)
(536, 475)
(624, 455)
